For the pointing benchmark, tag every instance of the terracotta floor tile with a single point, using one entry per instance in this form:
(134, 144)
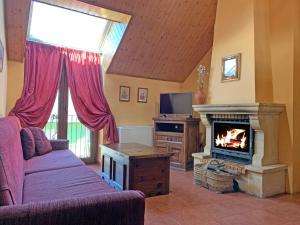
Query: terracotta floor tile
(293, 223)
(238, 220)
(190, 204)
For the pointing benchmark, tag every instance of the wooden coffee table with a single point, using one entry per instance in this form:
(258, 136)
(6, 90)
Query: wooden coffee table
(132, 166)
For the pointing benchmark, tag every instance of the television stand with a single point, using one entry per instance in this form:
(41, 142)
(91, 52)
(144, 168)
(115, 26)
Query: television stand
(177, 135)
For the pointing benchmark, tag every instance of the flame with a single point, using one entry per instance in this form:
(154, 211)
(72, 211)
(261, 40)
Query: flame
(231, 140)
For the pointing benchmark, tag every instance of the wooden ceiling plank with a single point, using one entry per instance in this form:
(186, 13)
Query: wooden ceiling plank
(164, 40)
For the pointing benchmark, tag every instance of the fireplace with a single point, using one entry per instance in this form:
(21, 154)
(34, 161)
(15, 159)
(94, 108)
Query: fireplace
(247, 134)
(232, 140)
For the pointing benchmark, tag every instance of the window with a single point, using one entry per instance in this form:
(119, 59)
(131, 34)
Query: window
(66, 28)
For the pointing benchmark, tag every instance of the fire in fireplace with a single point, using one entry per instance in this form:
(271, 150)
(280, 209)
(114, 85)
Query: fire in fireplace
(235, 138)
(232, 140)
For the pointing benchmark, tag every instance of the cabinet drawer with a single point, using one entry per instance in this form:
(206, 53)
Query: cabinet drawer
(177, 151)
(169, 138)
(161, 144)
(161, 137)
(178, 139)
(161, 148)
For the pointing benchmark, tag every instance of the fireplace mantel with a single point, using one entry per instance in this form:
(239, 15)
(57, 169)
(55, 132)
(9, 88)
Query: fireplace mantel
(265, 176)
(250, 108)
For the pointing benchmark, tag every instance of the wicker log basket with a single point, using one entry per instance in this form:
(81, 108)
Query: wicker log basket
(219, 181)
(200, 171)
(210, 176)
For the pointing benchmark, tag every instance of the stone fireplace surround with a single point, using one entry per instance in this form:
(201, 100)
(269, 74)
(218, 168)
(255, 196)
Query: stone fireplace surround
(265, 177)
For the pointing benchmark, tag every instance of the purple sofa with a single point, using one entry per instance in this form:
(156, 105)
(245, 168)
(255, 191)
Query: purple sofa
(57, 188)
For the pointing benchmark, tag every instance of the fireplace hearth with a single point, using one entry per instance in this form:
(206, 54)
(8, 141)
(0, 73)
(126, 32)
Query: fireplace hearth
(232, 140)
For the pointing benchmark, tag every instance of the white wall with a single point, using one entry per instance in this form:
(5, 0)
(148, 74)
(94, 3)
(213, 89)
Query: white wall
(3, 74)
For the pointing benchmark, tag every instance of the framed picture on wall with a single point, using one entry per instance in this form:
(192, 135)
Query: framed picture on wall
(124, 95)
(1, 56)
(142, 95)
(231, 68)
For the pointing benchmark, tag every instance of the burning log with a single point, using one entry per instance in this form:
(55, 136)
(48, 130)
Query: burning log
(232, 140)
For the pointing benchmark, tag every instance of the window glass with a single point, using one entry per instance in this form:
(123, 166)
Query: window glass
(66, 28)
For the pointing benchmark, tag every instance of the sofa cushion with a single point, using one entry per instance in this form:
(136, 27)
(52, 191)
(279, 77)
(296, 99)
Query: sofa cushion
(54, 160)
(28, 144)
(42, 144)
(65, 183)
(59, 144)
(11, 162)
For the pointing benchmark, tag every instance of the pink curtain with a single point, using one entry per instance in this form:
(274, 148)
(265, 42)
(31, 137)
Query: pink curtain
(42, 72)
(86, 87)
(43, 66)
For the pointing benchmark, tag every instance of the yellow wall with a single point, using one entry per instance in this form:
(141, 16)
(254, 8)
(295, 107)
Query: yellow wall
(281, 55)
(296, 92)
(126, 113)
(276, 74)
(3, 74)
(263, 70)
(234, 33)
(14, 83)
(266, 32)
(134, 113)
(190, 83)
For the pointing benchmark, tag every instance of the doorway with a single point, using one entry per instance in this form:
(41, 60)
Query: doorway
(63, 123)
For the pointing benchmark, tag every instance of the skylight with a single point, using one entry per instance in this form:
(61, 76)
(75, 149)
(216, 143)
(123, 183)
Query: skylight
(62, 27)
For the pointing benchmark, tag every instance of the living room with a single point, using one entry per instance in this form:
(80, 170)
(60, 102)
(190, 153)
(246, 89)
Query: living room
(161, 50)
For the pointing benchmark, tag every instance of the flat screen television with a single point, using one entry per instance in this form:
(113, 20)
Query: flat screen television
(176, 103)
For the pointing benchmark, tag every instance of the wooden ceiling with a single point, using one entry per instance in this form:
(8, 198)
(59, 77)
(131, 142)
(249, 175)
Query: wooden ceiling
(165, 39)
(80, 6)
(16, 20)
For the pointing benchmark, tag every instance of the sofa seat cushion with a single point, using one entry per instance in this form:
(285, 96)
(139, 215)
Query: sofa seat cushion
(65, 183)
(54, 160)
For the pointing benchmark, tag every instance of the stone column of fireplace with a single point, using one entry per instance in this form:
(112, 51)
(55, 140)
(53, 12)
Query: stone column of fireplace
(265, 176)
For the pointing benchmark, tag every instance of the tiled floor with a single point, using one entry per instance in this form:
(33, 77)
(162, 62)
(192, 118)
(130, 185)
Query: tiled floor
(190, 204)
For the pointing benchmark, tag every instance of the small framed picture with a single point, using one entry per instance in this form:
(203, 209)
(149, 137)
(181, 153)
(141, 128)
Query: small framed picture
(124, 95)
(142, 95)
(231, 68)
(1, 56)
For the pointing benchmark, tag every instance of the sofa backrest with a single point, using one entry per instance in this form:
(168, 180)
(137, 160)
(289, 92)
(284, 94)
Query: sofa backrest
(11, 162)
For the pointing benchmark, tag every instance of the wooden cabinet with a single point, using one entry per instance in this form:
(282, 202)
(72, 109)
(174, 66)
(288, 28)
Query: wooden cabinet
(179, 136)
(132, 166)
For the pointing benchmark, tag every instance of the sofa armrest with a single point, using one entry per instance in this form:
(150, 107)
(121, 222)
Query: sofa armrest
(60, 144)
(117, 208)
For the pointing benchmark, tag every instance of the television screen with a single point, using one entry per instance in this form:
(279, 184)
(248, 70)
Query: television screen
(176, 103)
